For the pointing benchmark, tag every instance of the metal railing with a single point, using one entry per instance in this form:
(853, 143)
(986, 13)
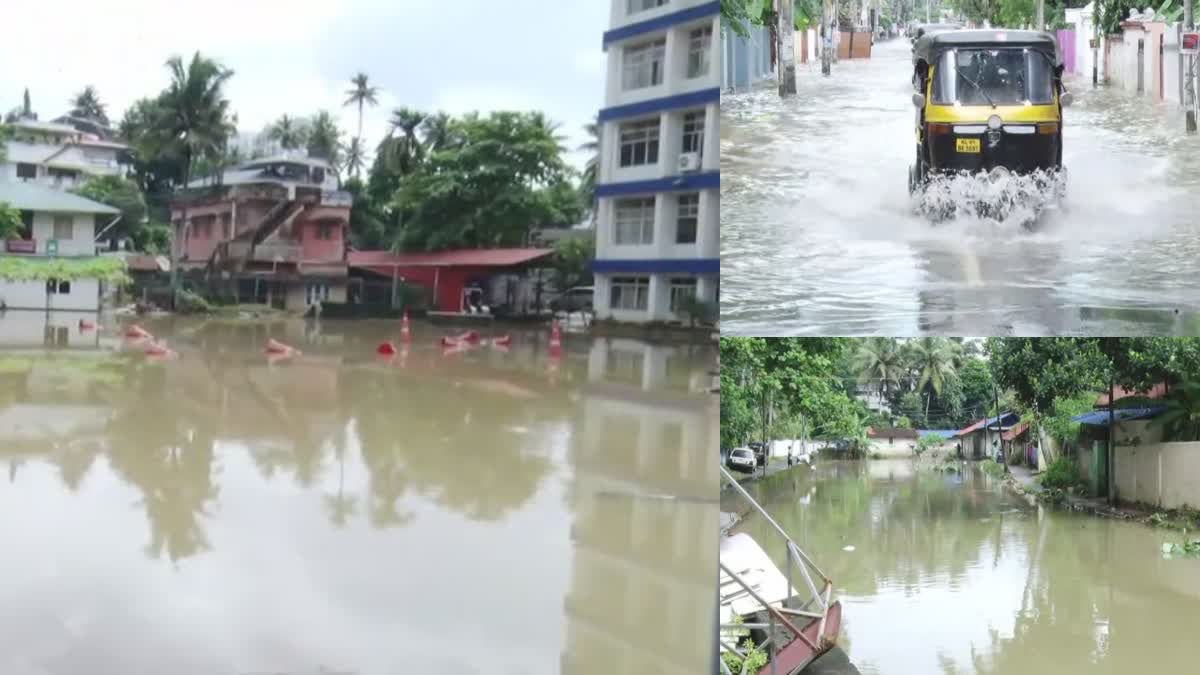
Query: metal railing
(814, 605)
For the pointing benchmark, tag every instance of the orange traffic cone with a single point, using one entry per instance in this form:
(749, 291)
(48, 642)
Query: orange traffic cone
(405, 331)
(386, 348)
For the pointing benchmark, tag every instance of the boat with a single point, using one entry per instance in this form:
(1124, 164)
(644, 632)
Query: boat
(795, 625)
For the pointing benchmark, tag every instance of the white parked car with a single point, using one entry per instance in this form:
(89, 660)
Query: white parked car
(742, 459)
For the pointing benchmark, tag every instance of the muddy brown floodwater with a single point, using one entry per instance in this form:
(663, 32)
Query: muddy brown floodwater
(955, 575)
(218, 513)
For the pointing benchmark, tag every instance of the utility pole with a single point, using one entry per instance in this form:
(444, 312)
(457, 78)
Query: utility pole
(1041, 15)
(1189, 99)
(826, 37)
(928, 11)
(786, 48)
(1095, 43)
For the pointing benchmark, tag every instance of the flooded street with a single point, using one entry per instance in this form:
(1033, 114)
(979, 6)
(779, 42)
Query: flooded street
(491, 511)
(817, 234)
(954, 574)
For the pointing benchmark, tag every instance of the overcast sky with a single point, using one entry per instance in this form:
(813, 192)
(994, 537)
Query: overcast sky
(297, 56)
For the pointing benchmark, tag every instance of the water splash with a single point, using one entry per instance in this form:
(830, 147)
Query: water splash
(1000, 198)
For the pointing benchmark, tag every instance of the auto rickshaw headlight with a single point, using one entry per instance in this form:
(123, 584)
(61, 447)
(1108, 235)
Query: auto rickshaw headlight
(994, 122)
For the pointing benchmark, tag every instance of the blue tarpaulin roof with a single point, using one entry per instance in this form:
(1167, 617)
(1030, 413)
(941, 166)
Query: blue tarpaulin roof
(1099, 418)
(944, 433)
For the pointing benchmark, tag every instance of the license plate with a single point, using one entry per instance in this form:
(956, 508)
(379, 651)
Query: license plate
(966, 144)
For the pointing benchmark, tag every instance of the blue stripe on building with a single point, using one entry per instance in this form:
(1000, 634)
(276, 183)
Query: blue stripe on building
(658, 266)
(659, 23)
(657, 105)
(694, 181)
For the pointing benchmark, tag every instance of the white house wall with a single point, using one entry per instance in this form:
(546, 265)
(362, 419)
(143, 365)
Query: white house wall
(84, 296)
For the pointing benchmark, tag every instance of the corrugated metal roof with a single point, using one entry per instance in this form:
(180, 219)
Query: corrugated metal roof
(1099, 418)
(1015, 431)
(890, 432)
(944, 433)
(484, 257)
(989, 422)
(31, 197)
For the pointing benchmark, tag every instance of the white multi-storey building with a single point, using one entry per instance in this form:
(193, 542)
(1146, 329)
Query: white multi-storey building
(58, 155)
(658, 188)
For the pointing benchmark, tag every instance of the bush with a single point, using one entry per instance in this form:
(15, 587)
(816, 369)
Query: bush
(1060, 475)
(192, 303)
(992, 468)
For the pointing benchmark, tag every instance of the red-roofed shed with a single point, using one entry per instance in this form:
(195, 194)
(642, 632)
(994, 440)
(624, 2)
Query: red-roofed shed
(447, 273)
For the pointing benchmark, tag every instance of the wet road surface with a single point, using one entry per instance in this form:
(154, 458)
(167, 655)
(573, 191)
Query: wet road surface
(490, 511)
(817, 234)
(956, 575)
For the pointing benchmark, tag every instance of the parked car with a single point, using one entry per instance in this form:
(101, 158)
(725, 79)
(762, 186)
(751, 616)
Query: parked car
(577, 299)
(741, 459)
(760, 452)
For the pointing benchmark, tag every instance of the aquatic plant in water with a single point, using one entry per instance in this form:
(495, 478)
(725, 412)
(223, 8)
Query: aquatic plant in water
(1189, 549)
(992, 468)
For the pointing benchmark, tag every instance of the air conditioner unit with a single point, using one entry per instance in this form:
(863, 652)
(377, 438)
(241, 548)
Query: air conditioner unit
(689, 161)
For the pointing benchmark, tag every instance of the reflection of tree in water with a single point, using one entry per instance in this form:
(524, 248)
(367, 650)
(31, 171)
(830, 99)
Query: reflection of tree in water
(903, 531)
(169, 460)
(447, 441)
(341, 505)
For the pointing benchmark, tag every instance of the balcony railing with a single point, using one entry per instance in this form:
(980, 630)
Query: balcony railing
(266, 251)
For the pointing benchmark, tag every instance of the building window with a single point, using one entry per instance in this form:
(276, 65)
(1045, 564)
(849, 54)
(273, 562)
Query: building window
(64, 227)
(686, 218)
(639, 143)
(27, 171)
(314, 293)
(632, 293)
(682, 288)
(58, 287)
(635, 6)
(693, 131)
(699, 48)
(634, 221)
(643, 65)
(324, 231)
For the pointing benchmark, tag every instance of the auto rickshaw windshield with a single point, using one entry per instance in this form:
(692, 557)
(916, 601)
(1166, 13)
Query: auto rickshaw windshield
(1007, 76)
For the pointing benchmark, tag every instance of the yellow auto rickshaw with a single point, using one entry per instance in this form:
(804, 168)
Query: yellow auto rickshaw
(987, 100)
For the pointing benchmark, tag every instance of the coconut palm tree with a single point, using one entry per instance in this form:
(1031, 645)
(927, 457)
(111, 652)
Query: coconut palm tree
(192, 118)
(438, 130)
(355, 158)
(879, 361)
(324, 138)
(409, 150)
(288, 131)
(933, 361)
(86, 104)
(591, 170)
(361, 93)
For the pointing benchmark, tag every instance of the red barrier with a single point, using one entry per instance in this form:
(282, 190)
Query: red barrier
(386, 348)
(137, 332)
(85, 324)
(502, 341)
(405, 331)
(276, 347)
(555, 340)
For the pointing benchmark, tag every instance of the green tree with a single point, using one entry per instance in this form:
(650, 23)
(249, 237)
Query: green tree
(5, 134)
(10, 221)
(288, 131)
(878, 362)
(324, 138)
(354, 161)
(505, 178)
(438, 132)
(86, 104)
(361, 93)
(978, 392)
(591, 170)
(122, 194)
(572, 262)
(191, 119)
(932, 359)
